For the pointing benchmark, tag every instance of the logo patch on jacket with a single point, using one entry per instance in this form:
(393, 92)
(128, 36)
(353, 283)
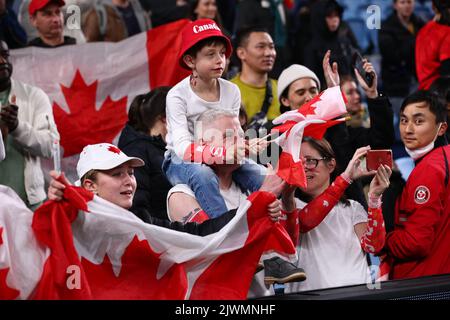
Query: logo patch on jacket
(421, 195)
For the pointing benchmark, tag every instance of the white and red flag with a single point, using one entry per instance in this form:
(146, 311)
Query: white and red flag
(87, 248)
(91, 85)
(311, 119)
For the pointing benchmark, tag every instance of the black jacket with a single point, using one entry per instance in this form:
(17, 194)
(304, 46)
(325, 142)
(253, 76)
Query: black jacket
(252, 13)
(342, 42)
(397, 46)
(199, 229)
(152, 184)
(380, 135)
(345, 140)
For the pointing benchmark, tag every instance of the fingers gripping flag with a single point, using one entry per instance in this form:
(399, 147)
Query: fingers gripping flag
(312, 119)
(87, 248)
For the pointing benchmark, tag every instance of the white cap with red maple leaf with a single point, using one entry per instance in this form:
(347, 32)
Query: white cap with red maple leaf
(103, 156)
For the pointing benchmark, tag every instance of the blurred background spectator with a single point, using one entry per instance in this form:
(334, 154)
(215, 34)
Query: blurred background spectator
(10, 30)
(115, 20)
(397, 38)
(31, 31)
(329, 32)
(272, 15)
(165, 11)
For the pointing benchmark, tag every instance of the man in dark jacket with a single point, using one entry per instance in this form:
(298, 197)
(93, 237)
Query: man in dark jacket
(397, 38)
(397, 41)
(329, 32)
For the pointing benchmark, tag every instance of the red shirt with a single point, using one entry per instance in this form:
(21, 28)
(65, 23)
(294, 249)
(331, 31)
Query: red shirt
(420, 242)
(432, 47)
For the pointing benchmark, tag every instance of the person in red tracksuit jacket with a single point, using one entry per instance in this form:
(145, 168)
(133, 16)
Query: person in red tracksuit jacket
(419, 245)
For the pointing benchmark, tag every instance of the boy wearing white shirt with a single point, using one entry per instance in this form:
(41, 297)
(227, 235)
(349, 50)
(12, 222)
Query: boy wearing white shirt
(204, 50)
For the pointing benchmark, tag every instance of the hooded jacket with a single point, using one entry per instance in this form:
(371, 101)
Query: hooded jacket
(341, 42)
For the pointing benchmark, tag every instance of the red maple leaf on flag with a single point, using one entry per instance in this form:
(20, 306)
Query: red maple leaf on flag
(137, 277)
(6, 293)
(84, 124)
(309, 107)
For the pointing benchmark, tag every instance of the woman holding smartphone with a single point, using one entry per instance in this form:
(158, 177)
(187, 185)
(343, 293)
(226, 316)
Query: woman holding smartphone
(335, 233)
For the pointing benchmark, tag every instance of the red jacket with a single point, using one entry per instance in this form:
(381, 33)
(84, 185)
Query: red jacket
(432, 48)
(420, 242)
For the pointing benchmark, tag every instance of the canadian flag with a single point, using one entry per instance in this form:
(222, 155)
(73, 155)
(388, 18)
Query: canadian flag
(311, 119)
(91, 85)
(87, 248)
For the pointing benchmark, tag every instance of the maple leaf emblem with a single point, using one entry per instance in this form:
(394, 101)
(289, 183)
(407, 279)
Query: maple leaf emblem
(114, 149)
(137, 278)
(84, 125)
(309, 107)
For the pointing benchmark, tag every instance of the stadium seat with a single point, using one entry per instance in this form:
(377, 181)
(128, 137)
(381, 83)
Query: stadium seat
(424, 10)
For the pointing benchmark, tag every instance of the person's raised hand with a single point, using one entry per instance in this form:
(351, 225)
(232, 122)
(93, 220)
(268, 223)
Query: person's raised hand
(330, 71)
(9, 114)
(354, 169)
(274, 210)
(272, 182)
(380, 182)
(371, 92)
(56, 188)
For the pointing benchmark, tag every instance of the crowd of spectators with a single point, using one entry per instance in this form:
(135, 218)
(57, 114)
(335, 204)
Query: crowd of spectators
(263, 59)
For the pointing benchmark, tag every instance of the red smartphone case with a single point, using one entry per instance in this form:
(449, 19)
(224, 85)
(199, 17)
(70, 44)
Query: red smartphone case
(375, 158)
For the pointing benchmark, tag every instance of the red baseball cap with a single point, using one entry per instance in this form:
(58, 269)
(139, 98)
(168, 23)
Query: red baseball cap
(198, 30)
(36, 5)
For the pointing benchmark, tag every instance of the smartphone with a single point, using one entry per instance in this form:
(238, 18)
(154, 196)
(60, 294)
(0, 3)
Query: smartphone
(375, 158)
(358, 65)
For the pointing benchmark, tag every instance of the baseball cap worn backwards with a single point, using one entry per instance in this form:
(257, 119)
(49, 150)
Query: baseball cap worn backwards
(198, 30)
(103, 156)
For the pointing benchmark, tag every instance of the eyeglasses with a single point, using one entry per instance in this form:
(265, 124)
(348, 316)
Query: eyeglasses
(311, 163)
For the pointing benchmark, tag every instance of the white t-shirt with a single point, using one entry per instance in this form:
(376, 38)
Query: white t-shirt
(184, 107)
(233, 198)
(331, 254)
